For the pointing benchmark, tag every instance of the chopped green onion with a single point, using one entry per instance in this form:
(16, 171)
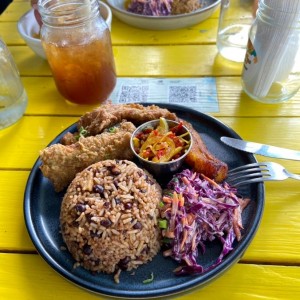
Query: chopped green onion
(81, 133)
(163, 224)
(149, 280)
(112, 129)
(161, 204)
(168, 192)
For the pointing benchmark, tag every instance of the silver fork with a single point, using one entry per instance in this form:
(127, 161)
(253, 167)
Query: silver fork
(258, 172)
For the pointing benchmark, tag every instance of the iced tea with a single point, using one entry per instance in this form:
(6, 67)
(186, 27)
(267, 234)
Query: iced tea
(83, 73)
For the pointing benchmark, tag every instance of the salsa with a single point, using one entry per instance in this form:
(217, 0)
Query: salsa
(162, 144)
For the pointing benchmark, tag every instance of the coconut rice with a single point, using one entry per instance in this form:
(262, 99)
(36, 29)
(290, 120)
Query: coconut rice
(109, 217)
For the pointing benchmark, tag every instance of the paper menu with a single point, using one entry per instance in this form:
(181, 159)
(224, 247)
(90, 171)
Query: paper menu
(197, 93)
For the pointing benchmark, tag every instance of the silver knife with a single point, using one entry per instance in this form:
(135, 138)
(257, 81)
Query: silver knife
(261, 149)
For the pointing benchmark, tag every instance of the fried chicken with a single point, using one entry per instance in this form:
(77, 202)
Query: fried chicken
(61, 163)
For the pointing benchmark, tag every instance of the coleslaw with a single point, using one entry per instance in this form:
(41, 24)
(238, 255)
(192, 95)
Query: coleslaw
(197, 210)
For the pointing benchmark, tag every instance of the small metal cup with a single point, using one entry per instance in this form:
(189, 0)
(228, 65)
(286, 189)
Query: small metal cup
(161, 169)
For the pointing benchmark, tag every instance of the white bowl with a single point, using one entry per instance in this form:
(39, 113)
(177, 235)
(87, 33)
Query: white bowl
(29, 29)
(164, 22)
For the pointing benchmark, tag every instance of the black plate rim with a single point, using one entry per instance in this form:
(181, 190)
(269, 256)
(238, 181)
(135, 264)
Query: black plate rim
(230, 260)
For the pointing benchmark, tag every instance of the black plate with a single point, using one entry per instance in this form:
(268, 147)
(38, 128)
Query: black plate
(42, 207)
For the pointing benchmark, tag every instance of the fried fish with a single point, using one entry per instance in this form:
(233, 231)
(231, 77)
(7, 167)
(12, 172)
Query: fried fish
(60, 163)
(108, 115)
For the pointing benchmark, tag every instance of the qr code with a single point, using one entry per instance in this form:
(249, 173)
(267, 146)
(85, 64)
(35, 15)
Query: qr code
(133, 93)
(182, 94)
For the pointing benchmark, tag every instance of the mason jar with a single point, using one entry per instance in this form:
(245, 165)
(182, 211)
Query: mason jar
(13, 97)
(77, 44)
(235, 19)
(271, 72)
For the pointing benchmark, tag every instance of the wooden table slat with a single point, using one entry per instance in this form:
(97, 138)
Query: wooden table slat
(44, 98)
(32, 133)
(245, 282)
(203, 33)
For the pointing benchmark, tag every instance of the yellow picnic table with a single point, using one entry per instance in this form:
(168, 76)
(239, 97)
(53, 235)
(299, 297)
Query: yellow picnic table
(270, 267)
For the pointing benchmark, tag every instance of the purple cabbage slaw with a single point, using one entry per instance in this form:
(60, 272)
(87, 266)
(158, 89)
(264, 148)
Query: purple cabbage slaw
(201, 212)
(150, 7)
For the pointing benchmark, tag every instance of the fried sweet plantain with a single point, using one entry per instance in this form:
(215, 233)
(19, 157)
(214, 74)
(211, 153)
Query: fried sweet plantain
(202, 160)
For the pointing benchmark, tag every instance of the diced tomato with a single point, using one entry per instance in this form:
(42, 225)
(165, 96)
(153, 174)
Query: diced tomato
(172, 135)
(147, 153)
(155, 132)
(139, 136)
(147, 130)
(176, 128)
(160, 153)
(142, 136)
(178, 142)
